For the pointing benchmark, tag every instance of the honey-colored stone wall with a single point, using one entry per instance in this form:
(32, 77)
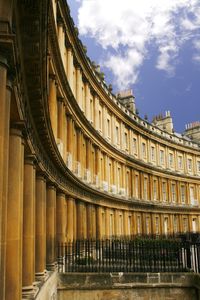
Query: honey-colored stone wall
(137, 286)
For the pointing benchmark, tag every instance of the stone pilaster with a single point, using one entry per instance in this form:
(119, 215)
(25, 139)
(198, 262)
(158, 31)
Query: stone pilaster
(61, 217)
(99, 222)
(14, 216)
(5, 98)
(70, 219)
(28, 266)
(40, 228)
(53, 108)
(51, 227)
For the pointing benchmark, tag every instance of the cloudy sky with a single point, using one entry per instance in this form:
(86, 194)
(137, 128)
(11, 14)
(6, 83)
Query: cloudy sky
(150, 46)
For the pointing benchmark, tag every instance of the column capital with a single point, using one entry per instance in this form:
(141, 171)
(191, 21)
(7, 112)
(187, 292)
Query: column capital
(3, 61)
(51, 186)
(30, 159)
(60, 99)
(77, 127)
(41, 175)
(69, 198)
(60, 192)
(52, 77)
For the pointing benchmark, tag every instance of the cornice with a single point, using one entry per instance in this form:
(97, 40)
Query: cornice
(96, 84)
(38, 129)
(90, 131)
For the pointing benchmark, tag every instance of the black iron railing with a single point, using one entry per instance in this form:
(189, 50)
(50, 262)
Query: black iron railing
(137, 254)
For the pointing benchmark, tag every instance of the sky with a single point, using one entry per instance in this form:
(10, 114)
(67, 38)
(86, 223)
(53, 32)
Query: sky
(149, 46)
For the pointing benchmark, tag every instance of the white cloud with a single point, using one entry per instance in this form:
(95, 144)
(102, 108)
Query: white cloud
(135, 25)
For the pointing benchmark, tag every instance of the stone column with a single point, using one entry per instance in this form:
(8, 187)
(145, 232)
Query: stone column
(64, 133)
(40, 227)
(61, 218)
(87, 100)
(14, 217)
(94, 222)
(88, 154)
(61, 41)
(70, 67)
(104, 113)
(51, 227)
(84, 220)
(74, 221)
(70, 133)
(53, 109)
(79, 221)
(99, 222)
(89, 220)
(70, 219)
(61, 136)
(28, 274)
(125, 215)
(97, 160)
(79, 144)
(107, 221)
(79, 86)
(5, 98)
(116, 222)
(96, 113)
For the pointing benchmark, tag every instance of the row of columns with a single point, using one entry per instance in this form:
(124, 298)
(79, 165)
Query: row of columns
(65, 130)
(38, 216)
(5, 99)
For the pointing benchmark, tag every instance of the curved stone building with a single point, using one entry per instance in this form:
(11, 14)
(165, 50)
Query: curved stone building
(76, 161)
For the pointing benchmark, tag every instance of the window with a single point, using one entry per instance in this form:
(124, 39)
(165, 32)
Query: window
(182, 194)
(100, 120)
(173, 192)
(103, 224)
(109, 173)
(117, 134)
(91, 110)
(155, 190)
(126, 140)
(120, 224)
(134, 146)
(175, 224)
(198, 166)
(161, 157)
(185, 225)
(136, 186)
(111, 225)
(143, 150)
(194, 224)
(108, 128)
(166, 225)
(180, 162)
(189, 164)
(129, 225)
(191, 194)
(164, 191)
(147, 225)
(152, 153)
(145, 188)
(138, 224)
(119, 177)
(171, 160)
(157, 225)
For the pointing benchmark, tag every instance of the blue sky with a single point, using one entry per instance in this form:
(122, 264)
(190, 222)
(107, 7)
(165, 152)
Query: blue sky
(152, 47)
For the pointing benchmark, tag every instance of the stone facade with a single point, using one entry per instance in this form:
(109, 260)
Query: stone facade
(74, 162)
(138, 286)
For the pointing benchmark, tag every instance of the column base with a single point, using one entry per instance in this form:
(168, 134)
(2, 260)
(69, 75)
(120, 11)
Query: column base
(29, 292)
(51, 267)
(41, 276)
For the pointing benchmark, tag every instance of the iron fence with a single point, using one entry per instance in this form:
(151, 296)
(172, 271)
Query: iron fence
(136, 254)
